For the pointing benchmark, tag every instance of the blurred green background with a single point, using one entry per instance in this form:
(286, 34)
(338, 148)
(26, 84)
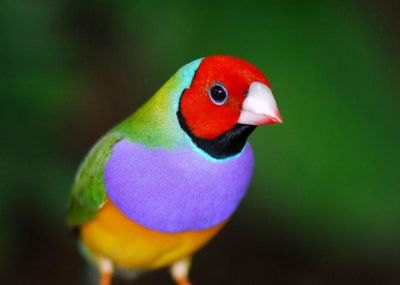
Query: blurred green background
(324, 204)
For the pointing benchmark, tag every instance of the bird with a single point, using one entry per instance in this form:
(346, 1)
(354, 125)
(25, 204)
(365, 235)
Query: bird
(162, 183)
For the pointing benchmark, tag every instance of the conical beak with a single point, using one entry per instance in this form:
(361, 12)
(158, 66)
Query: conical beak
(259, 107)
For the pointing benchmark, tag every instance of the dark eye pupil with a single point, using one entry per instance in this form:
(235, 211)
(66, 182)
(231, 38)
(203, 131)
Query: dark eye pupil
(218, 94)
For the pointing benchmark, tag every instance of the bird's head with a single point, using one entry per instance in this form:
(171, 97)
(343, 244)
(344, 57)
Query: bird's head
(226, 99)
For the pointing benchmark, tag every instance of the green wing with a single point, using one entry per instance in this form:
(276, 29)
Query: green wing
(88, 192)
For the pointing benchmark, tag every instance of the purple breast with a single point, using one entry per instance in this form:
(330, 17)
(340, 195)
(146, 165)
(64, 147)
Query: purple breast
(175, 190)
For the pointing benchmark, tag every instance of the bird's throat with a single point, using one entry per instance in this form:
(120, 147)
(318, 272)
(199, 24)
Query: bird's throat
(226, 145)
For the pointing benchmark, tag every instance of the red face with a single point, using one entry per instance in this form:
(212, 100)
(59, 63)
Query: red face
(213, 103)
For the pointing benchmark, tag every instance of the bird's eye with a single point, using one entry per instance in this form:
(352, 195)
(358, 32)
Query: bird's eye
(218, 94)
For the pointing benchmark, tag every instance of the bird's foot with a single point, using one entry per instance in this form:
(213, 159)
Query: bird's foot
(180, 271)
(106, 271)
(183, 281)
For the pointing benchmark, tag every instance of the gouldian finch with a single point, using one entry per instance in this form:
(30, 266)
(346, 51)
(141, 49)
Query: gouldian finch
(158, 186)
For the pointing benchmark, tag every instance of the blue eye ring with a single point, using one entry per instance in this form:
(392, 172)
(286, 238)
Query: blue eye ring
(218, 94)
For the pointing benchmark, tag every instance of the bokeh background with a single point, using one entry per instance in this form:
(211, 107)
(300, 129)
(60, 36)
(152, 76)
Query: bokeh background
(324, 204)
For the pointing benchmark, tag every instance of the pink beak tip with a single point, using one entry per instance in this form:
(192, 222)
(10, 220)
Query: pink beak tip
(278, 118)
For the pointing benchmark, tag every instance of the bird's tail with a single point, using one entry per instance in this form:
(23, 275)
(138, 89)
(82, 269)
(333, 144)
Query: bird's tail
(128, 273)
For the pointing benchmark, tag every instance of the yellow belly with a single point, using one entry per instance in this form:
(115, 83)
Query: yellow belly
(129, 245)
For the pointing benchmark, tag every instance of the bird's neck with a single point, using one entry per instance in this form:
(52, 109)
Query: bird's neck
(229, 144)
(155, 124)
